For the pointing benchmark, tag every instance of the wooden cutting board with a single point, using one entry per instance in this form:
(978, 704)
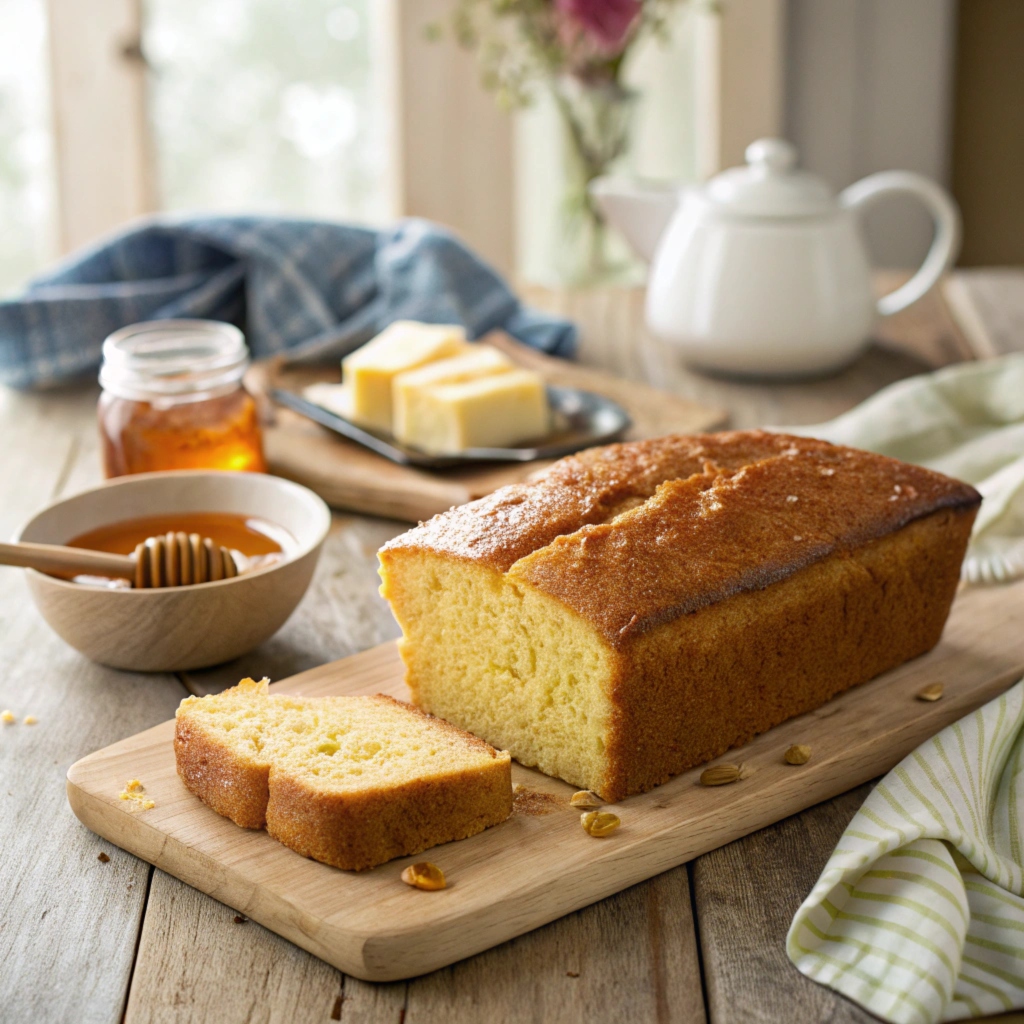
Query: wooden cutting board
(536, 866)
(348, 476)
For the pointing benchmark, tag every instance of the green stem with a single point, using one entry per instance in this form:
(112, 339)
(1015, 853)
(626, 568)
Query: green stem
(596, 121)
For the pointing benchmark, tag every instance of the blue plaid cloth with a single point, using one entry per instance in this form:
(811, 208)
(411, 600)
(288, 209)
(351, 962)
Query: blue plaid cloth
(315, 289)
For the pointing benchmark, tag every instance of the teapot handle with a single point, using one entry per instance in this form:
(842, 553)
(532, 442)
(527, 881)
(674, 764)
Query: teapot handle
(945, 245)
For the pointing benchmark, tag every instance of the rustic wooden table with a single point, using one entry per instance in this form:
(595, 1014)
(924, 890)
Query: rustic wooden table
(85, 939)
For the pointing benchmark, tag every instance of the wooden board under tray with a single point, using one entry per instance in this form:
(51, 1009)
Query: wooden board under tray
(348, 476)
(535, 867)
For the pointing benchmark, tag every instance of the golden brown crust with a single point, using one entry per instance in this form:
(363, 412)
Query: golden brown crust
(589, 487)
(360, 830)
(352, 830)
(705, 517)
(689, 690)
(233, 787)
(701, 541)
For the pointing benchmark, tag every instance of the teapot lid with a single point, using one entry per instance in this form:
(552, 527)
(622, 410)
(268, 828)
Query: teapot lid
(770, 185)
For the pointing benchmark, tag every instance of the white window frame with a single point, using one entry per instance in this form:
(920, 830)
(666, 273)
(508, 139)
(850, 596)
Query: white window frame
(102, 152)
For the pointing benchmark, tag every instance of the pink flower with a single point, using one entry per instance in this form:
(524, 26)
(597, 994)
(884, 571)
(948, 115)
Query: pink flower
(605, 23)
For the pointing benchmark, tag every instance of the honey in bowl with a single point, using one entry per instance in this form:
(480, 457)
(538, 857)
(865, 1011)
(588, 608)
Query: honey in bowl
(260, 542)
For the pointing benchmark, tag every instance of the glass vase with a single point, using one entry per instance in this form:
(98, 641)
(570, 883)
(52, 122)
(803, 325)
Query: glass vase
(596, 118)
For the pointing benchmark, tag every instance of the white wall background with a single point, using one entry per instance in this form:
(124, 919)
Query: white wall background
(869, 88)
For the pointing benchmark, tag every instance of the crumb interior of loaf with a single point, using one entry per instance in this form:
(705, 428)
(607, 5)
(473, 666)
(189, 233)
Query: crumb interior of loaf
(504, 662)
(337, 743)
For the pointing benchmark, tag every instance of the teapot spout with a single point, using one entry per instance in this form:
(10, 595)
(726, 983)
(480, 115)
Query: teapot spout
(640, 210)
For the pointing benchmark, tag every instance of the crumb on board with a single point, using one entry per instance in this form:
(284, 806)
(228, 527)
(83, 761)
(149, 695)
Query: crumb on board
(534, 802)
(7, 716)
(30, 720)
(135, 793)
(103, 858)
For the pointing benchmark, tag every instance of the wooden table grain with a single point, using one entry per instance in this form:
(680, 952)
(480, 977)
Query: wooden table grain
(89, 939)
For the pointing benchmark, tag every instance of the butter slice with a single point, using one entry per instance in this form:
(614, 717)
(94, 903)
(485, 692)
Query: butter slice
(404, 345)
(407, 388)
(497, 411)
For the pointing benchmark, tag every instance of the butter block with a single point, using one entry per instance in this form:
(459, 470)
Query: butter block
(407, 388)
(497, 411)
(404, 345)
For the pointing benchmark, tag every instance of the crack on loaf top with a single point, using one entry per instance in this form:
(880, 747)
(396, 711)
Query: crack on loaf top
(633, 534)
(588, 488)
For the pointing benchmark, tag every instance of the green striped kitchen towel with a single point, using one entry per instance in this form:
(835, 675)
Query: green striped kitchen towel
(919, 913)
(966, 421)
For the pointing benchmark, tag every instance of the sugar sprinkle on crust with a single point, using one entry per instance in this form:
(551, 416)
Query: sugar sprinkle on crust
(602, 531)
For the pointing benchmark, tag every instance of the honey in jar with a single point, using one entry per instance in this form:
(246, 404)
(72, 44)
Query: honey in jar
(173, 399)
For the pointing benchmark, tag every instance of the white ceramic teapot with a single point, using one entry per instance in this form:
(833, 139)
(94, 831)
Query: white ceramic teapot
(763, 271)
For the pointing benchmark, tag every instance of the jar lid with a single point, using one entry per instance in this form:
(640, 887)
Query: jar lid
(180, 360)
(770, 185)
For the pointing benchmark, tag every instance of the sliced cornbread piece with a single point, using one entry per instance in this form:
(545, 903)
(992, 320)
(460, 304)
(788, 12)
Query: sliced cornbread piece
(403, 345)
(349, 781)
(496, 411)
(643, 607)
(406, 389)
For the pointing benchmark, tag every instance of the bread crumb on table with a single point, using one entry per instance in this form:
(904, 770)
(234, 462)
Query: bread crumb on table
(7, 716)
(135, 793)
(534, 802)
(31, 720)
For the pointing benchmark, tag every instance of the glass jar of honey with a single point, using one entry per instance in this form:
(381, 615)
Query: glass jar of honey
(173, 399)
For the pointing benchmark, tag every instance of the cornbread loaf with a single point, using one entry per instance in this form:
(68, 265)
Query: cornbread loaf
(349, 781)
(641, 608)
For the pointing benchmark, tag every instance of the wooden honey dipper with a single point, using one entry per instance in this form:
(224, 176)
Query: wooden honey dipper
(170, 560)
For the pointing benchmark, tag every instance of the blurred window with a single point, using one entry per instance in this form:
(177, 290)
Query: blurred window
(329, 109)
(27, 206)
(263, 106)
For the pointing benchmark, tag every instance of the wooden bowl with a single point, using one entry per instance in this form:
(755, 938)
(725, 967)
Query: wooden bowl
(185, 627)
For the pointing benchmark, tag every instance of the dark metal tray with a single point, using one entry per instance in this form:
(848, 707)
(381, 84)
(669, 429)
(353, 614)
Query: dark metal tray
(582, 419)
